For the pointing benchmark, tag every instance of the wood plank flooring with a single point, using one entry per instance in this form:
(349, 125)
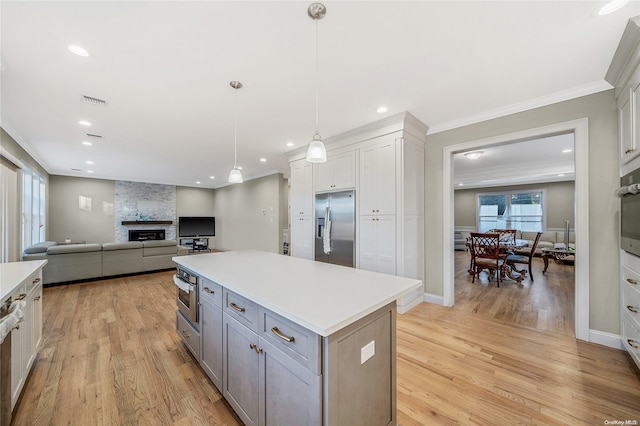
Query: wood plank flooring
(547, 303)
(111, 356)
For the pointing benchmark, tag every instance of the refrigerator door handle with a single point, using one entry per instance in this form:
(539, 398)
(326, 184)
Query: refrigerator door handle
(326, 238)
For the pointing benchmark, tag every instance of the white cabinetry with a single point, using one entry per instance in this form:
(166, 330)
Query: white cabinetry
(378, 178)
(384, 162)
(301, 209)
(26, 336)
(339, 172)
(624, 75)
(378, 243)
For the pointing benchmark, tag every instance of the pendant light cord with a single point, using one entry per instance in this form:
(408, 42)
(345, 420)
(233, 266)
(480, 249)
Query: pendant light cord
(235, 130)
(317, 77)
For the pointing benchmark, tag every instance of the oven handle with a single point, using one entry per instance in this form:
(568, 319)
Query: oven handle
(183, 285)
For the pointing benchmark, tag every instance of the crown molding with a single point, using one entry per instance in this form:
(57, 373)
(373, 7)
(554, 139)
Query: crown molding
(565, 95)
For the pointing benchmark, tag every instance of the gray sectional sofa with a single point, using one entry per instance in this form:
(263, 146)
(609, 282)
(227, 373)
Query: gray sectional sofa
(72, 262)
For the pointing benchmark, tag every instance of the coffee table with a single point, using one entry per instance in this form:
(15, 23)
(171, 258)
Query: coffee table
(556, 254)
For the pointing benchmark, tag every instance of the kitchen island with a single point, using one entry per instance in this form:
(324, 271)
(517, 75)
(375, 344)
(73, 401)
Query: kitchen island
(293, 341)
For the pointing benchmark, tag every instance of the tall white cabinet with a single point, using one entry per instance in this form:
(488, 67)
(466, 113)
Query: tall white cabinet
(624, 74)
(384, 163)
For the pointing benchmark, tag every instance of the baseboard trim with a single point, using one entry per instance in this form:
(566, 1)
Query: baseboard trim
(607, 339)
(409, 300)
(434, 298)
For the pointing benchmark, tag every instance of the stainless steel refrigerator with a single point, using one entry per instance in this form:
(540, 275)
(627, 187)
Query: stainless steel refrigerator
(335, 228)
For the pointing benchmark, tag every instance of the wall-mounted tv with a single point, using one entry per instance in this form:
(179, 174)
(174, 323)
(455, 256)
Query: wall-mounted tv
(196, 226)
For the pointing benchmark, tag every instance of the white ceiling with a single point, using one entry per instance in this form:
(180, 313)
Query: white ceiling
(549, 159)
(164, 68)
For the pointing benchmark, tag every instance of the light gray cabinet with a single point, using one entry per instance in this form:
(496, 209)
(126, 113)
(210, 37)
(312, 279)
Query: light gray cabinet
(241, 370)
(211, 330)
(264, 385)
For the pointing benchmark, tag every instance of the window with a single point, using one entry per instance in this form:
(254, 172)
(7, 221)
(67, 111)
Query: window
(33, 208)
(511, 210)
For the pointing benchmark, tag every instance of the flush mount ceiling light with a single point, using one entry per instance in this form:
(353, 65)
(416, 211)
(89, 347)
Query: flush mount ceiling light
(317, 153)
(474, 155)
(612, 6)
(566, 151)
(382, 109)
(235, 176)
(263, 160)
(290, 144)
(78, 50)
(87, 143)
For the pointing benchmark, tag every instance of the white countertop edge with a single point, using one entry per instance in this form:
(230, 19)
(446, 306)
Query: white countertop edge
(12, 274)
(325, 332)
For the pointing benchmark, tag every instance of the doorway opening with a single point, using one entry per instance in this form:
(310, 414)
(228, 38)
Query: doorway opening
(579, 128)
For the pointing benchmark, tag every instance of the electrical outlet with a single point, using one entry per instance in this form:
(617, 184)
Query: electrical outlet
(367, 351)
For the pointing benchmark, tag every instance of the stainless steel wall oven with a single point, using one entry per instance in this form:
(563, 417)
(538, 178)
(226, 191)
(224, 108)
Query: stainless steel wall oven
(187, 293)
(629, 194)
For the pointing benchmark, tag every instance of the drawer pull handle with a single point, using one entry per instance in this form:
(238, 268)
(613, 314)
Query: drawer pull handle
(255, 348)
(632, 281)
(236, 307)
(208, 290)
(21, 297)
(630, 150)
(36, 281)
(632, 343)
(36, 298)
(632, 309)
(17, 327)
(186, 334)
(275, 331)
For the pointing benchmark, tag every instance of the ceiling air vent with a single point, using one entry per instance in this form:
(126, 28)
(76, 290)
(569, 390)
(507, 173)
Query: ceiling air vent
(94, 137)
(94, 101)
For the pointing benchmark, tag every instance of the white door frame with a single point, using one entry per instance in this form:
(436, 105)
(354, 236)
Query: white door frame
(580, 129)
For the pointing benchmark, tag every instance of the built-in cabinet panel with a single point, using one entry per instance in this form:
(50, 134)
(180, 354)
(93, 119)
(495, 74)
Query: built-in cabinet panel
(378, 243)
(339, 172)
(626, 126)
(378, 178)
(302, 237)
(301, 188)
(211, 347)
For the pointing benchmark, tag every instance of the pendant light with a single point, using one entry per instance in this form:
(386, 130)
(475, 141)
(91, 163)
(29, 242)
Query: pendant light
(235, 176)
(316, 153)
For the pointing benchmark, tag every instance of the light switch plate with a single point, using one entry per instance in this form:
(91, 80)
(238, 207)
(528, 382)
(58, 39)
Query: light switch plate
(367, 351)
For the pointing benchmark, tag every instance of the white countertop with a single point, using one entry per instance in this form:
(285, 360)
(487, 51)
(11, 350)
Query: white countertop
(321, 297)
(14, 273)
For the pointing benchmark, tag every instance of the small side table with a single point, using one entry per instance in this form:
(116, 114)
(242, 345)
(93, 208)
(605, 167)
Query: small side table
(556, 254)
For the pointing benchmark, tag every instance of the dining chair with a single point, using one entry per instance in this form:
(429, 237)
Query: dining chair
(485, 251)
(514, 259)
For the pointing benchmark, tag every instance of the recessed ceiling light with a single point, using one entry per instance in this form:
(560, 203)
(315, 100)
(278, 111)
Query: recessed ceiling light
(198, 182)
(290, 144)
(263, 160)
(84, 123)
(212, 177)
(474, 155)
(78, 50)
(89, 162)
(382, 109)
(87, 143)
(566, 151)
(89, 171)
(612, 6)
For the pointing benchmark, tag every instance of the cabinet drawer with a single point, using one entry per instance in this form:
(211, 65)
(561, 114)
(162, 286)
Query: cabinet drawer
(33, 281)
(631, 303)
(189, 335)
(211, 292)
(631, 338)
(242, 309)
(632, 262)
(297, 342)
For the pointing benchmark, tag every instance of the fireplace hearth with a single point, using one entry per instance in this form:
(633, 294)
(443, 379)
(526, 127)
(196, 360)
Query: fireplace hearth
(146, 234)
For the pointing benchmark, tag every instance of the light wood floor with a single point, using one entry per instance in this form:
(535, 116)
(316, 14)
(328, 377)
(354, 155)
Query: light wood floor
(547, 303)
(110, 356)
